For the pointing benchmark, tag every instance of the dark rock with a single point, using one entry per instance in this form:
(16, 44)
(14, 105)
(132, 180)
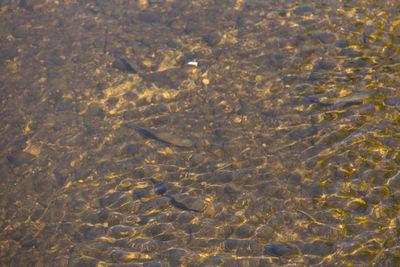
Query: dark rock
(160, 189)
(123, 65)
(212, 39)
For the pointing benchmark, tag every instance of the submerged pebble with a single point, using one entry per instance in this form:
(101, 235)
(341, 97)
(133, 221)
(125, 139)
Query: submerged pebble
(212, 39)
(280, 250)
(121, 231)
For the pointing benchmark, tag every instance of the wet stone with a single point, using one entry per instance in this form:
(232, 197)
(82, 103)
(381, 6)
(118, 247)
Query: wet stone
(119, 231)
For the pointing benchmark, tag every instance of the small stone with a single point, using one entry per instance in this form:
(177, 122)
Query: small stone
(206, 81)
(160, 189)
(212, 39)
(143, 3)
(237, 120)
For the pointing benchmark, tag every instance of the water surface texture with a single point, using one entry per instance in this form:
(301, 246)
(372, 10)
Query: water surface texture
(199, 133)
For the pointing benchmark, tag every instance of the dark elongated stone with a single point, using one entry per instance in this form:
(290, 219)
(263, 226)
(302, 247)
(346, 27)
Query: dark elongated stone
(123, 65)
(180, 205)
(280, 250)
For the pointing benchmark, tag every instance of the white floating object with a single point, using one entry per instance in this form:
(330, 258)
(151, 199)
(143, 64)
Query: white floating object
(193, 63)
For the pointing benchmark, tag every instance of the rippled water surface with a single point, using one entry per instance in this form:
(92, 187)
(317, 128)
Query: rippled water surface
(199, 133)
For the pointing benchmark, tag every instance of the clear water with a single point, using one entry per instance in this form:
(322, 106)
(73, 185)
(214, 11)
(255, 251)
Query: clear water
(199, 133)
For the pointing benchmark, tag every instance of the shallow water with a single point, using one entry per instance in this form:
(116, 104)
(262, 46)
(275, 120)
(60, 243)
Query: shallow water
(279, 147)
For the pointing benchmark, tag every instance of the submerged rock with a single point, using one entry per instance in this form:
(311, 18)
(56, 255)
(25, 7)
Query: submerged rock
(352, 99)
